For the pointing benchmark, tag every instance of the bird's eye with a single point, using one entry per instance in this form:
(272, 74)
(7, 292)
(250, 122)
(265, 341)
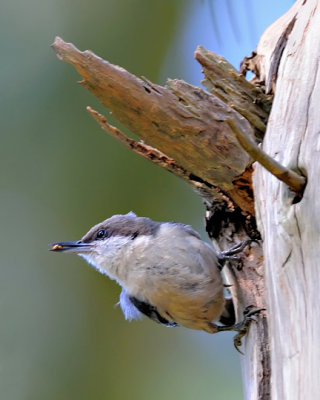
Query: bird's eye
(101, 234)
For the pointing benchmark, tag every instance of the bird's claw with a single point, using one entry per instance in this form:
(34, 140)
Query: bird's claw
(229, 255)
(242, 327)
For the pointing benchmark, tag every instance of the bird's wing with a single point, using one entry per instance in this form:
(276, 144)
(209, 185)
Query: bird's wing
(151, 312)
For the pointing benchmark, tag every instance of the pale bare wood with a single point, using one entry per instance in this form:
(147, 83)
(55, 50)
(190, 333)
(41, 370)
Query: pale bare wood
(264, 62)
(296, 182)
(291, 231)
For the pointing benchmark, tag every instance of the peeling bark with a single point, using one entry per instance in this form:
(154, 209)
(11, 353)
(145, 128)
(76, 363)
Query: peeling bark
(187, 131)
(224, 81)
(184, 122)
(156, 156)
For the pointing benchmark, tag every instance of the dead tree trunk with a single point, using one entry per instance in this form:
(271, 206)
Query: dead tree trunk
(290, 229)
(210, 139)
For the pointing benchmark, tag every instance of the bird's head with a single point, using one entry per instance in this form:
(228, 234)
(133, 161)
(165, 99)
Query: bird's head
(105, 244)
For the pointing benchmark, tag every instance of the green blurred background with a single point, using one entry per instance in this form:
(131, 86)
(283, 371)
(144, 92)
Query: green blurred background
(61, 337)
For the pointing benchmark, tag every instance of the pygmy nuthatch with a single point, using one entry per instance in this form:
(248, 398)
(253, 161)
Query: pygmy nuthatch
(165, 270)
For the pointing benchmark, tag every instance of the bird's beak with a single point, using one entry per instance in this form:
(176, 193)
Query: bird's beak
(72, 247)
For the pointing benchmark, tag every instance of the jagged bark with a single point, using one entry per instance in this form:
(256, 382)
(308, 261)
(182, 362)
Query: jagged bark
(224, 81)
(187, 131)
(184, 122)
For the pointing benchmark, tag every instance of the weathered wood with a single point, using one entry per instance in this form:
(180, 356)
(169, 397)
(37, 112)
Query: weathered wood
(225, 82)
(247, 288)
(182, 121)
(296, 182)
(264, 62)
(157, 157)
(187, 131)
(291, 231)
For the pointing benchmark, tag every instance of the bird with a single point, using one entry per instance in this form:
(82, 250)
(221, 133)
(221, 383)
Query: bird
(166, 272)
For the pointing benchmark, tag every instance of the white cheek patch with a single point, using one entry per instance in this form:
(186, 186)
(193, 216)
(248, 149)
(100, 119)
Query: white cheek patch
(113, 257)
(90, 260)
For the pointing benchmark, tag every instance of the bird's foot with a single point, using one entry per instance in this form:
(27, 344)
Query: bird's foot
(229, 255)
(241, 327)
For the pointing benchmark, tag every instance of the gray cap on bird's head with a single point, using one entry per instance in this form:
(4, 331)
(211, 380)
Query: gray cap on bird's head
(128, 225)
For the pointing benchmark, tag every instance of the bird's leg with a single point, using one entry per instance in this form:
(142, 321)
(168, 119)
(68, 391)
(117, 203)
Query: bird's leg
(229, 255)
(236, 249)
(241, 327)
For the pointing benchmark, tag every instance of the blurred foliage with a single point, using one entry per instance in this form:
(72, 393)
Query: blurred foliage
(60, 336)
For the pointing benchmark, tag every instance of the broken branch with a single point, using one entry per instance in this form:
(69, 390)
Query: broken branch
(154, 155)
(292, 179)
(182, 121)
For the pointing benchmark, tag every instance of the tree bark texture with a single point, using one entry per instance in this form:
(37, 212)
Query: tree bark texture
(182, 121)
(192, 133)
(290, 229)
(188, 132)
